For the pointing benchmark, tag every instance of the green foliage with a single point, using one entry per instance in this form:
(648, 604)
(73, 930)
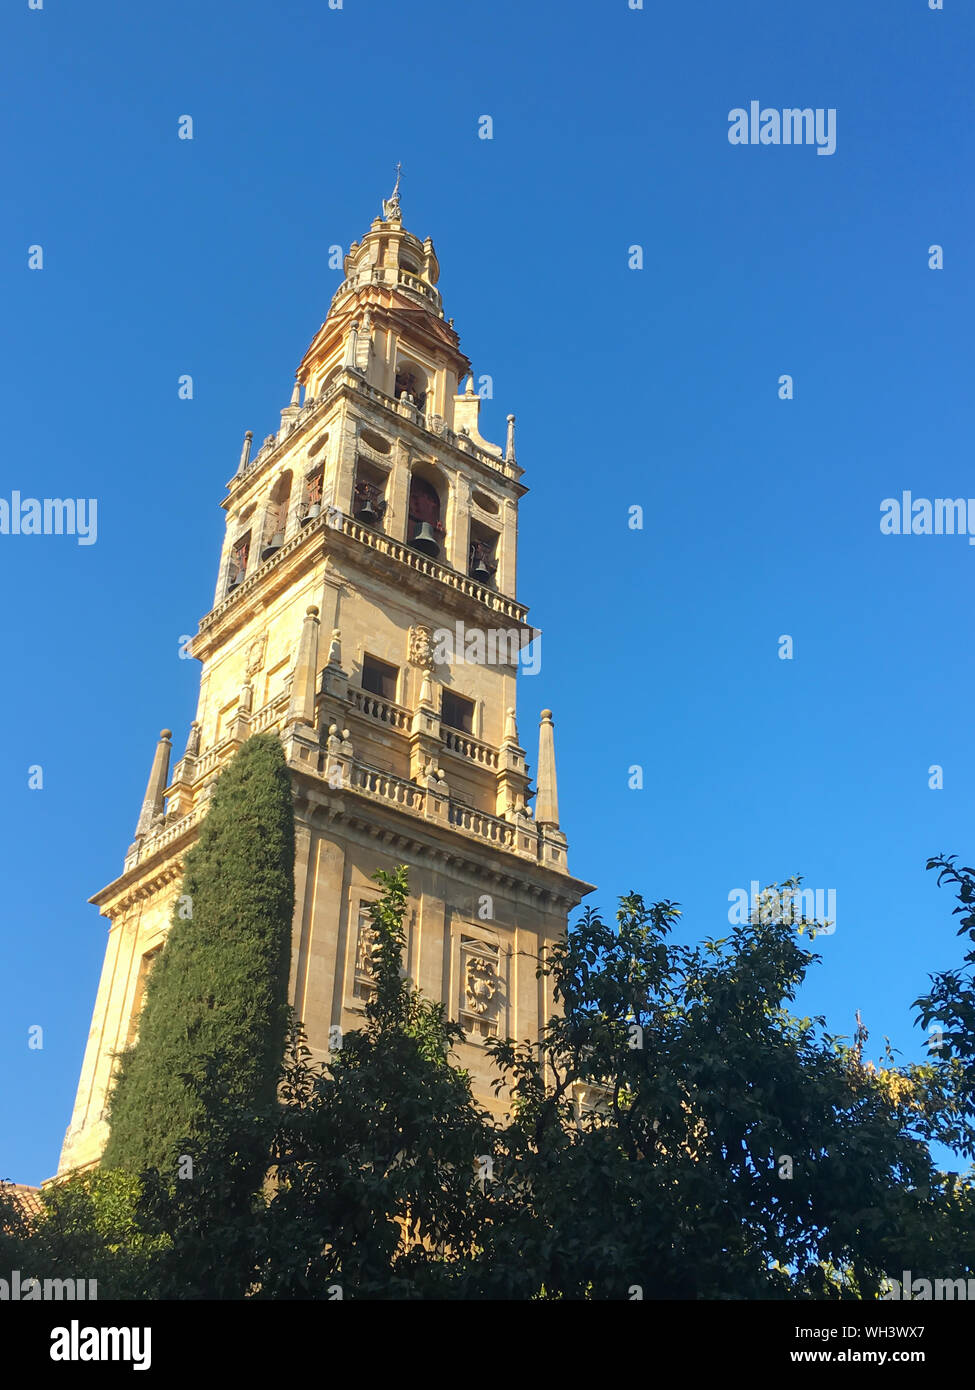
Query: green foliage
(375, 1157)
(948, 1080)
(371, 1184)
(673, 1179)
(87, 1229)
(219, 987)
(679, 1130)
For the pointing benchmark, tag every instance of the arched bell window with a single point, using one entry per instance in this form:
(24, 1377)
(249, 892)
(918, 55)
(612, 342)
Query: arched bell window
(312, 502)
(426, 531)
(482, 560)
(369, 493)
(276, 519)
(411, 385)
(237, 568)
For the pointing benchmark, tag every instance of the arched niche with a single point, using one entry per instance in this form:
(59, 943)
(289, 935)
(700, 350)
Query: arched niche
(411, 383)
(276, 519)
(426, 509)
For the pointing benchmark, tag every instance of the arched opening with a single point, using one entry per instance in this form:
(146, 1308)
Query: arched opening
(482, 560)
(411, 384)
(237, 568)
(369, 494)
(425, 528)
(276, 519)
(311, 503)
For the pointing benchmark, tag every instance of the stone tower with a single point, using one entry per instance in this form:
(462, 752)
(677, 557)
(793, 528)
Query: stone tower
(366, 611)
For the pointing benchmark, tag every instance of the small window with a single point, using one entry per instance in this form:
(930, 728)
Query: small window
(457, 712)
(374, 441)
(379, 678)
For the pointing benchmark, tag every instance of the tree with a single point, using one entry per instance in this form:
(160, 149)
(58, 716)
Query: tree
(372, 1187)
(680, 1133)
(683, 1135)
(219, 986)
(948, 1012)
(380, 1154)
(87, 1227)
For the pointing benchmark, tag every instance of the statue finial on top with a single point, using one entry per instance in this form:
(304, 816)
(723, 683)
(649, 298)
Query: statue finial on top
(391, 204)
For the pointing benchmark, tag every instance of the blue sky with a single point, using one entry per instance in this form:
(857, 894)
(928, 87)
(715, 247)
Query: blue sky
(656, 387)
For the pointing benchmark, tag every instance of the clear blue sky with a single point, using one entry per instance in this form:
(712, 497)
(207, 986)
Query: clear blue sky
(655, 387)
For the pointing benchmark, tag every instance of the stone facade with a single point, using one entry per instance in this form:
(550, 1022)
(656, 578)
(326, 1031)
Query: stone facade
(372, 531)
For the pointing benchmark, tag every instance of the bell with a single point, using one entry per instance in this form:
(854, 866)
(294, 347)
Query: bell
(481, 571)
(424, 539)
(367, 513)
(275, 543)
(311, 513)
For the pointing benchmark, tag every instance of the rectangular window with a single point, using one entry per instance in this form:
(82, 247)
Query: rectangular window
(457, 712)
(379, 678)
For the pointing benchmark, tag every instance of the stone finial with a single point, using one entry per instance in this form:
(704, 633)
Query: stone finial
(547, 796)
(509, 452)
(351, 347)
(510, 726)
(301, 709)
(245, 453)
(153, 801)
(193, 741)
(245, 700)
(296, 394)
(469, 388)
(335, 649)
(346, 747)
(333, 743)
(425, 700)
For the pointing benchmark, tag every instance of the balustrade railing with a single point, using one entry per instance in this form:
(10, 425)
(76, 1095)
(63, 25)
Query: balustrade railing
(465, 746)
(384, 711)
(386, 787)
(481, 824)
(370, 781)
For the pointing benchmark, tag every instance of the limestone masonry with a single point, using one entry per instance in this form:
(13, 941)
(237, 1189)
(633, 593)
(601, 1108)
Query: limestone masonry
(375, 518)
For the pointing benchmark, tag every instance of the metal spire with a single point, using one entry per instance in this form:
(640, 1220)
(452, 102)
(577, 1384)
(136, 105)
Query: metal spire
(391, 207)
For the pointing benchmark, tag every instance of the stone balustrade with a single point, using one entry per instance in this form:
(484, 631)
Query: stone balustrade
(389, 275)
(383, 711)
(423, 564)
(385, 787)
(485, 827)
(466, 746)
(370, 782)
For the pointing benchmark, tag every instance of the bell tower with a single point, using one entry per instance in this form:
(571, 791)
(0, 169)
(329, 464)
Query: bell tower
(366, 611)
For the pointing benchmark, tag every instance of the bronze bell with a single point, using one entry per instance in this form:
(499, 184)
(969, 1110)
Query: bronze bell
(481, 570)
(424, 539)
(367, 512)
